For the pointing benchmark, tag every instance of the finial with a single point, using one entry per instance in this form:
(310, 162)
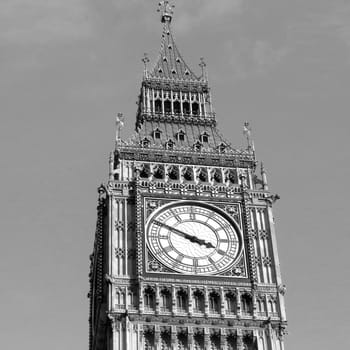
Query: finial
(247, 130)
(203, 65)
(264, 177)
(145, 60)
(167, 10)
(119, 121)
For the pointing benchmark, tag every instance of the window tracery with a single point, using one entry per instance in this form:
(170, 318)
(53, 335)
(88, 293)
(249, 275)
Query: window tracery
(149, 298)
(246, 304)
(214, 302)
(181, 300)
(198, 301)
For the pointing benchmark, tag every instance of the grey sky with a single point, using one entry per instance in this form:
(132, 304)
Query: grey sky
(68, 67)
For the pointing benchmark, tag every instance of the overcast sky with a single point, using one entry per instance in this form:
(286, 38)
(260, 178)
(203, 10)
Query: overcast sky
(68, 67)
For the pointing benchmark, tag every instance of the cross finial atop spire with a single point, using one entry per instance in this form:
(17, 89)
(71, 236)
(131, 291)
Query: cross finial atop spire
(167, 10)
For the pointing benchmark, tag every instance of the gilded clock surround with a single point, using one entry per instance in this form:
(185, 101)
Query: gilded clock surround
(236, 264)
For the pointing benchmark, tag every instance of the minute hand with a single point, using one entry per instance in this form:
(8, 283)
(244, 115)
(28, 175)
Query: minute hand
(191, 238)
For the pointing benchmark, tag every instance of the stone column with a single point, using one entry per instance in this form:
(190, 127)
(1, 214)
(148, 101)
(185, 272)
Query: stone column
(157, 299)
(157, 343)
(141, 309)
(240, 344)
(206, 302)
(238, 301)
(181, 106)
(190, 338)
(206, 339)
(223, 339)
(222, 301)
(173, 300)
(173, 338)
(190, 301)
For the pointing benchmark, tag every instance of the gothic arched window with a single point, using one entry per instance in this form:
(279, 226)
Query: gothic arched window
(177, 107)
(231, 304)
(180, 135)
(205, 137)
(198, 301)
(214, 302)
(195, 108)
(165, 300)
(167, 107)
(149, 299)
(181, 301)
(157, 133)
(186, 108)
(246, 304)
(158, 106)
(132, 300)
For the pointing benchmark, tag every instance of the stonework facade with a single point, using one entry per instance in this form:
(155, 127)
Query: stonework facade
(185, 253)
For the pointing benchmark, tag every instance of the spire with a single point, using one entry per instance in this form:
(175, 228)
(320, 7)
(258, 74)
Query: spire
(170, 64)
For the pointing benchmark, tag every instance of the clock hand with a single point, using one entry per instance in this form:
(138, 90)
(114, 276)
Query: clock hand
(188, 236)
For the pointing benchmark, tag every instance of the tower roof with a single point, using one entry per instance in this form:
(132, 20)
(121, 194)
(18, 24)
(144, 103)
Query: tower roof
(170, 65)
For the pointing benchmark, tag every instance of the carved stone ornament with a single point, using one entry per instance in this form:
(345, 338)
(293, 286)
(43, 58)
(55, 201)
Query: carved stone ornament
(282, 289)
(119, 252)
(152, 205)
(119, 225)
(239, 270)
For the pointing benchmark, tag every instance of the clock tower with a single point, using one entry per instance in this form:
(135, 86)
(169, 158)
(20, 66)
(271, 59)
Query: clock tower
(185, 253)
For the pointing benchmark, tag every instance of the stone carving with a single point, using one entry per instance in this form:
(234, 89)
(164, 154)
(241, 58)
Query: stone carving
(119, 252)
(282, 289)
(118, 225)
(151, 206)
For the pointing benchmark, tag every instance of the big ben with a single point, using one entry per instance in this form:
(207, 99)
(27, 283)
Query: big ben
(185, 252)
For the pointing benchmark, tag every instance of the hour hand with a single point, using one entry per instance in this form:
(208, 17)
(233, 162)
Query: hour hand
(188, 236)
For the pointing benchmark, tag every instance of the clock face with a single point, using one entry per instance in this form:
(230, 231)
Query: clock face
(193, 238)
